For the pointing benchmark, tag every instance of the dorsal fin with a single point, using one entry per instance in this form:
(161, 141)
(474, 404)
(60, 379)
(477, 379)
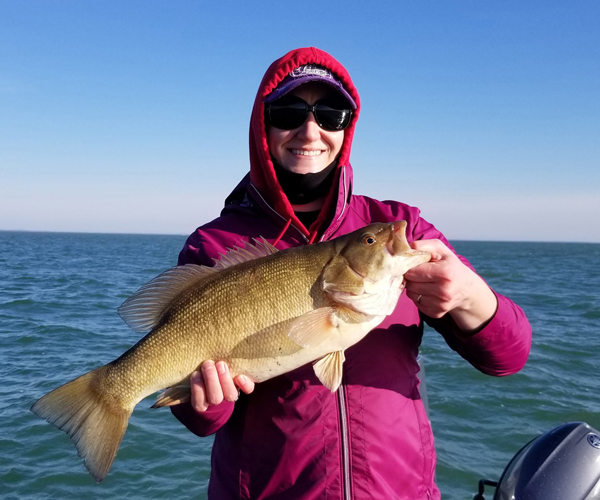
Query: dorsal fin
(237, 255)
(146, 307)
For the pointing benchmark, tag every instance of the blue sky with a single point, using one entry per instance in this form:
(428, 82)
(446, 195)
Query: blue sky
(133, 116)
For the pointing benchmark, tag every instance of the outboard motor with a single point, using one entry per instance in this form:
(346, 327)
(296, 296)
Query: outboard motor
(562, 464)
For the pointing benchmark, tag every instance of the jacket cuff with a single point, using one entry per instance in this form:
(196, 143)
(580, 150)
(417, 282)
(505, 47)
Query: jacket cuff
(203, 423)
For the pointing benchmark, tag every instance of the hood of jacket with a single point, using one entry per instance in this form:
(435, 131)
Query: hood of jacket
(262, 171)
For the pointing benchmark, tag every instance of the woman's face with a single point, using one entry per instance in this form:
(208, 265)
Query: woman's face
(308, 148)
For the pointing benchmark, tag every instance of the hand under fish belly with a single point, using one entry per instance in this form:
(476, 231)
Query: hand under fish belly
(262, 311)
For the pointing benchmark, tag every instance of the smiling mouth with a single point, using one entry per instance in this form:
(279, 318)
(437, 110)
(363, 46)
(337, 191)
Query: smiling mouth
(303, 152)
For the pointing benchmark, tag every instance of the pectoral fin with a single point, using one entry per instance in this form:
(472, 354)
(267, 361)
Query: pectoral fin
(329, 369)
(314, 327)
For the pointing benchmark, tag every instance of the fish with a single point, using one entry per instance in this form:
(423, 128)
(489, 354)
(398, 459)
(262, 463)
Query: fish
(265, 312)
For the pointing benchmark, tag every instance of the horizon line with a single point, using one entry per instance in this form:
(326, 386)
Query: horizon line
(109, 233)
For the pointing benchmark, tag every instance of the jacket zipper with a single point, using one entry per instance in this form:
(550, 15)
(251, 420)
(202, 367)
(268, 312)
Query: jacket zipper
(346, 485)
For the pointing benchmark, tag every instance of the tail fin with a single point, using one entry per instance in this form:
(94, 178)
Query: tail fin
(95, 424)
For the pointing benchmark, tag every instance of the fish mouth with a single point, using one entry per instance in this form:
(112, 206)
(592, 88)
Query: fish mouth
(398, 244)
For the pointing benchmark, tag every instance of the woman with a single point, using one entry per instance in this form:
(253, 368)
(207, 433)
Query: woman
(290, 437)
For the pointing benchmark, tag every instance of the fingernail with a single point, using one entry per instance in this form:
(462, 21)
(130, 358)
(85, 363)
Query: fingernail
(242, 379)
(221, 368)
(196, 376)
(208, 365)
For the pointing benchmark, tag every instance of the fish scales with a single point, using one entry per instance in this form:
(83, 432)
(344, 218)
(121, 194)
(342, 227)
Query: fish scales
(219, 308)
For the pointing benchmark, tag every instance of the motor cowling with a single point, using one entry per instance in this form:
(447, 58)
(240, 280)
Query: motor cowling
(562, 464)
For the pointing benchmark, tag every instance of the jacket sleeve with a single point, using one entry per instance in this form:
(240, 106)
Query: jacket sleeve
(210, 421)
(502, 346)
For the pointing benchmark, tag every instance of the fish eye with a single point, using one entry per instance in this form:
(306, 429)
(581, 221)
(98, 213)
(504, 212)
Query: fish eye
(368, 239)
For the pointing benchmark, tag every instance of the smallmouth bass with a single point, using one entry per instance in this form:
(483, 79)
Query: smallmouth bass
(265, 312)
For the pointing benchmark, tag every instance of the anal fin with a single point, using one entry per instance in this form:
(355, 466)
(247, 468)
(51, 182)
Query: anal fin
(329, 369)
(177, 394)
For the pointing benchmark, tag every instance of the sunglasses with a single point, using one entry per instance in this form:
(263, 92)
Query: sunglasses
(289, 113)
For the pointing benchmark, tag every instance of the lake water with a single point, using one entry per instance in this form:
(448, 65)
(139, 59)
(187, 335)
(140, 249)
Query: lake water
(58, 299)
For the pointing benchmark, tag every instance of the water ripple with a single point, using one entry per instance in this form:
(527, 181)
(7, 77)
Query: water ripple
(58, 320)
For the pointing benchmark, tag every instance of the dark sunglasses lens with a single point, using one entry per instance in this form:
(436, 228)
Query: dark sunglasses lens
(332, 119)
(288, 117)
(291, 112)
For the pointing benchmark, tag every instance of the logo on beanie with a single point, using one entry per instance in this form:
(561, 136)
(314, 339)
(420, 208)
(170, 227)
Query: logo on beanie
(311, 70)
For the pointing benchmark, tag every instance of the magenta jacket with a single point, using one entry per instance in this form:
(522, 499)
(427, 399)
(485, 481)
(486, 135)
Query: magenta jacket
(292, 438)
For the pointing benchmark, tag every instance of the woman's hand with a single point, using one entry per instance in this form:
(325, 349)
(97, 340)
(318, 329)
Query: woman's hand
(213, 384)
(445, 285)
